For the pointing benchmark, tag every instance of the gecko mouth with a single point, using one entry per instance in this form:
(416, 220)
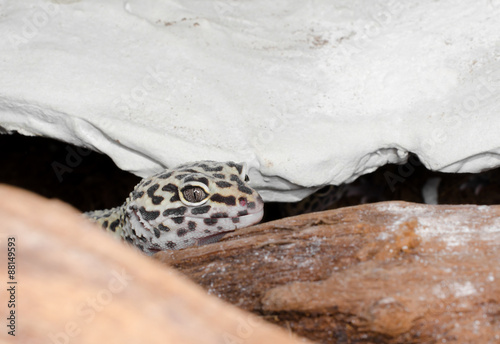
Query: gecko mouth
(243, 219)
(248, 219)
(247, 216)
(239, 222)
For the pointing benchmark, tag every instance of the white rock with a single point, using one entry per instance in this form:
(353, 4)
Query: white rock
(306, 92)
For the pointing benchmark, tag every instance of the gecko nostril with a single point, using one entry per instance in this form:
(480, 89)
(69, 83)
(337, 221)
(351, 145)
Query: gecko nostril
(243, 201)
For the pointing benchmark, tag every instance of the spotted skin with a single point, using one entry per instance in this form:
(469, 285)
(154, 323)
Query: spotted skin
(193, 204)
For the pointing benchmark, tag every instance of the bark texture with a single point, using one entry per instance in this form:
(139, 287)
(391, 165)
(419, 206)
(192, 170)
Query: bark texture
(75, 284)
(390, 272)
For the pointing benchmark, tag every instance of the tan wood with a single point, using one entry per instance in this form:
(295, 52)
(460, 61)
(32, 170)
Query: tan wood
(390, 272)
(76, 284)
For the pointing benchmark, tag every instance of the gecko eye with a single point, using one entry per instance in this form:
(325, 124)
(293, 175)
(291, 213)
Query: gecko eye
(193, 195)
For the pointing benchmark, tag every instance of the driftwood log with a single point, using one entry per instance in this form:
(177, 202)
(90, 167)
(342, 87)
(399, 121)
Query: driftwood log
(75, 284)
(390, 272)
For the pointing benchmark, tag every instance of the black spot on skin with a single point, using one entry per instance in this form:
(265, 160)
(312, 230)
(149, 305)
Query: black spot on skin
(157, 232)
(173, 189)
(243, 213)
(219, 215)
(229, 200)
(147, 182)
(238, 167)
(188, 170)
(174, 198)
(219, 175)
(165, 175)
(137, 194)
(247, 179)
(163, 228)
(178, 220)
(245, 189)
(207, 231)
(149, 215)
(211, 169)
(201, 210)
(191, 226)
(170, 244)
(175, 211)
(181, 232)
(151, 193)
(197, 179)
(235, 219)
(241, 184)
(170, 188)
(105, 224)
(210, 222)
(114, 224)
(251, 205)
(180, 176)
(223, 184)
(236, 179)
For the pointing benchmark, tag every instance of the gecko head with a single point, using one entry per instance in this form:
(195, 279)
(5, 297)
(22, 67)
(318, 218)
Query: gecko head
(194, 204)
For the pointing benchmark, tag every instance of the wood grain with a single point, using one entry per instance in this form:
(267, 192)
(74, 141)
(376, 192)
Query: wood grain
(390, 272)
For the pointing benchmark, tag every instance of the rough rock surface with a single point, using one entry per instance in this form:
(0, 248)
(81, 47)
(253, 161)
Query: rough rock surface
(390, 272)
(335, 87)
(75, 284)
